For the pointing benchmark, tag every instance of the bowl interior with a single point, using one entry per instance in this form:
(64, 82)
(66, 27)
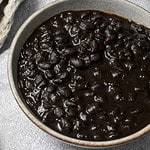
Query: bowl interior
(119, 7)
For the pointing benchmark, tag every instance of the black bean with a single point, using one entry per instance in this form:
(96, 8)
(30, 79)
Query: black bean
(31, 102)
(69, 18)
(94, 46)
(21, 83)
(110, 127)
(96, 87)
(54, 58)
(42, 84)
(97, 137)
(96, 17)
(63, 75)
(50, 88)
(99, 99)
(81, 84)
(55, 97)
(69, 103)
(47, 104)
(118, 72)
(125, 127)
(57, 68)
(78, 125)
(87, 61)
(85, 25)
(39, 78)
(57, 81)
(76, 40)
(91, 108)
(49, 74)
(110, 53)
(143, 45)
(41, 110)
(56, 22)
(58, 112)
(111, 36)
(65, 92)
(45, 38)
(28, 53)
(119, 97)
(83, 116)
(136, 50)
(129, 65)
(71, 111)
(84, 15)
(146, 56)
(89, 93)
(112, 87)
(64, 125)
(118, 118)
(97, 73)
(112, 135)
(70, 51)
(81, 135)
(61, 40)
(78, 63)
(138, 88)
(129, 119)
(44, 65)
(95, 57)
(136, 110)
(44, 46)
(74, 30)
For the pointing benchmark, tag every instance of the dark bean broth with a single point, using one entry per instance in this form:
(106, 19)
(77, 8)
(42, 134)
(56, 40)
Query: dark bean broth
(86, 74)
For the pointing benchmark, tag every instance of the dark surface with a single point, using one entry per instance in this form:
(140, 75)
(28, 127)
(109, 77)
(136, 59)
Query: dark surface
(76, 73)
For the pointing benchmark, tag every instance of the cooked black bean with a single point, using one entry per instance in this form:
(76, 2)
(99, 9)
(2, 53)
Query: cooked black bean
(49, 74)
(46, 104)
(64, 125)
(86, 75)
(45, 65)
(71, 111)
(50, 88)
(65, 92)
(54, 58)
(74, 30)
(69, 103)
(78, 63)
(58, 112)
(39, 78)
(55, 97)
(83, 116)
(91, 108)
(70, 51)
(99, 99)
(85, 25)
(95, 57)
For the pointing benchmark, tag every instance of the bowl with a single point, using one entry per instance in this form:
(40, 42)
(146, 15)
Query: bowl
(119, 7)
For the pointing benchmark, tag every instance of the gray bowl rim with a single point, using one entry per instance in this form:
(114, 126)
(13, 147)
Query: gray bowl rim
(37, 122)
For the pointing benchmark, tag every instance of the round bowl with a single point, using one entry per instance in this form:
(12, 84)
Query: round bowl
(120, 7)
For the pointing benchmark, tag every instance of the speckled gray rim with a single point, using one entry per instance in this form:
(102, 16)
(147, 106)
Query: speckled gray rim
(120, 7)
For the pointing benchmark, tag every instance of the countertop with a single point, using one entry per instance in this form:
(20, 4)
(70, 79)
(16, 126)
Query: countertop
(17, 132)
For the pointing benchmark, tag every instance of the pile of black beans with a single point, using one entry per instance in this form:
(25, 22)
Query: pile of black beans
(86, 74)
